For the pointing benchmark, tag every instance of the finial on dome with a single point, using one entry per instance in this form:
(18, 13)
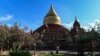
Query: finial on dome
(51, 12)
(51, 6)
(51, 17)
(75, 18)
(76, 23)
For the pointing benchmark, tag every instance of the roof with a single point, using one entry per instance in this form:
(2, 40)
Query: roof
(51, 26)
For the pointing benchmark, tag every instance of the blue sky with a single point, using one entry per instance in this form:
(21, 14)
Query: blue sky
(31, 12)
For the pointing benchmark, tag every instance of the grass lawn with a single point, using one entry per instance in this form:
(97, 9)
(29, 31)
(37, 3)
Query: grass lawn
(43, 54)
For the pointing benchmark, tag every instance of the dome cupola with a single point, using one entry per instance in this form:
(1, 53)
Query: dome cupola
(51, 17)
(76, 23)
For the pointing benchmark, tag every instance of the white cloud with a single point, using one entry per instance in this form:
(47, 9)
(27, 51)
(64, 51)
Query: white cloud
(9, 25)
(68, 26)
(6, 17)
(86, 28)
(93, 24)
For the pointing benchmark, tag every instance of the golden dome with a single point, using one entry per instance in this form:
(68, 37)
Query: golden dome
(51, 17)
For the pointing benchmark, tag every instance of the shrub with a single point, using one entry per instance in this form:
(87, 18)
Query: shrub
(20, 53)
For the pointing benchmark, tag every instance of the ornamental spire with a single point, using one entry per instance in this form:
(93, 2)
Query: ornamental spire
(76, 23)
(51, 12)
(75, 18)
(51, 17)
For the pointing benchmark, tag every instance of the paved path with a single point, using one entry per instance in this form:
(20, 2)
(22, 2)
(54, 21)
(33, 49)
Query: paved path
(5, 53)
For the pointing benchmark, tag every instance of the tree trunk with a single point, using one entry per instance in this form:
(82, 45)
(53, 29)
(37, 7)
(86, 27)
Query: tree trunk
(35, 49)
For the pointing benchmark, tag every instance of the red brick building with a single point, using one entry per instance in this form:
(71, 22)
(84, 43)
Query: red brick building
(53, 33)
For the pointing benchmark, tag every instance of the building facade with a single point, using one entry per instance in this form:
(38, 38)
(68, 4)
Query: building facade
(53, 34)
